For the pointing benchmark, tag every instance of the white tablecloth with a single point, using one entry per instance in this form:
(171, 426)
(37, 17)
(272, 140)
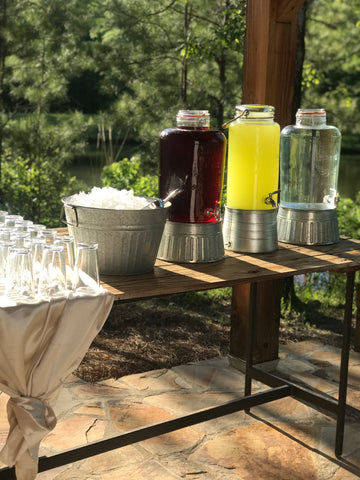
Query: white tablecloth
(40, 346)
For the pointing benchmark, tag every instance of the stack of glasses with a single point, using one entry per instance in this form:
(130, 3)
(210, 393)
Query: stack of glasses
(37, 263)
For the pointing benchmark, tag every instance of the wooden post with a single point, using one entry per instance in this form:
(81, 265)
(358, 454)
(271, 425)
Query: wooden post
(268, 78)
(270, 55)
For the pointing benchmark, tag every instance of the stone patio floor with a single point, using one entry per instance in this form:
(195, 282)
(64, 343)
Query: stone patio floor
(281, 440)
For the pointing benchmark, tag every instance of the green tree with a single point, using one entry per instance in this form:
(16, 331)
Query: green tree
(40, 41)
(348, 213)
(127, 174)
(47, 47)
(33, 189)
(332, 64)
(157, 58)
(214, 51)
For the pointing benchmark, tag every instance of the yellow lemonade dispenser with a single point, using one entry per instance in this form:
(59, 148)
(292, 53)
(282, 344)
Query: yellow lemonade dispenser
(250, 220)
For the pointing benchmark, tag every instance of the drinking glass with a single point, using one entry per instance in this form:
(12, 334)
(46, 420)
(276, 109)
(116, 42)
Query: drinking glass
(3, 214)
(4, 254)
(49, 235)
(86, 271)
(52, 281)
(11, 219)
(37, 249)
(22, 225)
(5, 234)
(67, 241)
(35, 229)
(21, 239)
(19, 283)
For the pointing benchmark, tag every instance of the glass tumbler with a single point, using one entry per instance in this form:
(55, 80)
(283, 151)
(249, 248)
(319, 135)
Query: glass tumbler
(4, 255)
(19, 283)
(11, 219)
(86, 271)
(21, 238)
(37, 249)
(67, 241)
(52, 281)
(22, 225)
(6, 234)
(3, 214)
(49, 235)
(36, 229)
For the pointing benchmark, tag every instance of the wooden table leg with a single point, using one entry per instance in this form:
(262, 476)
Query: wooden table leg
(267, 320)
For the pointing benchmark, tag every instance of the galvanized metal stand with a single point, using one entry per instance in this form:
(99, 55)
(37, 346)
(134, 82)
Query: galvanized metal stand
(280, 388)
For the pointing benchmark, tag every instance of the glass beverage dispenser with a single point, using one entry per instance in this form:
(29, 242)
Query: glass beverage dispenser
(309, 167)
(192, 159)
(252, 180)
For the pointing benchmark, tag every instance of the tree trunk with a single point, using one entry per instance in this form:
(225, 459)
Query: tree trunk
(187, 20)
(3, 53)
(221, 61)
(300, 56)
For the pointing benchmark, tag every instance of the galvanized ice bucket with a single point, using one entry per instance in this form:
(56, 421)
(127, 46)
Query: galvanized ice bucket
(128, 240)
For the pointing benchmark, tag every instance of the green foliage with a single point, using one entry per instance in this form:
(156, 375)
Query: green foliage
(37, 149)
(331, 80)
(348, 213)
(134, 52)
(43, 38)
(34, 188)
(43, 45)
(325, 287)
(329, 288)
(158, 57)
(53, 138)
(126, 174)
(332, 63)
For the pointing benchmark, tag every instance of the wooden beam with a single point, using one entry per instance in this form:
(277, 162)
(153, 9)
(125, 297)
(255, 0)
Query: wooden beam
(286, 11)
(268, 78)
(266, 338)
(270, 55)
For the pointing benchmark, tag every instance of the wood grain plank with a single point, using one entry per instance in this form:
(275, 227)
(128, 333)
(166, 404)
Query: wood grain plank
(168, 278)
(235, 269)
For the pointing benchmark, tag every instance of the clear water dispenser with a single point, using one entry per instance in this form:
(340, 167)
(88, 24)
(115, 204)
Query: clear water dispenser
(309, 168)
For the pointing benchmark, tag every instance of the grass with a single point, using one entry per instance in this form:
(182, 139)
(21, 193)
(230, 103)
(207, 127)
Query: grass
(164, 332)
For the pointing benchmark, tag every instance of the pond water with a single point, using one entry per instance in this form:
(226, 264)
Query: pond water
(89, 170)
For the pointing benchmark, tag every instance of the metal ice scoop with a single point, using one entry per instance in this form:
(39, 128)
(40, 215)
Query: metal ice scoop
(160, 202)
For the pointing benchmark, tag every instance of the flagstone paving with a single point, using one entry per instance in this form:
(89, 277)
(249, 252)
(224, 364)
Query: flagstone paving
(282, 440)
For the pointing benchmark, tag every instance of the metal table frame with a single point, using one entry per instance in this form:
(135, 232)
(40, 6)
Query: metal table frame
(279, 388)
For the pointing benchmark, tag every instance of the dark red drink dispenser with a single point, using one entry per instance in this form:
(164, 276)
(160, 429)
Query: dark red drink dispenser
(192, 159)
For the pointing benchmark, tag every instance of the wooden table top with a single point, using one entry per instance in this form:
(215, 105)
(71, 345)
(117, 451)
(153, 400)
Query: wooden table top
(236, 268)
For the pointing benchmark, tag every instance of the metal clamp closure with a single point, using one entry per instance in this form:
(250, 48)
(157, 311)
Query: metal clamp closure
(270, 201)
(244, 113)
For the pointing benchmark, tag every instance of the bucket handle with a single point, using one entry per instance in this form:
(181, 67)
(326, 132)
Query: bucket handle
(63, 219)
